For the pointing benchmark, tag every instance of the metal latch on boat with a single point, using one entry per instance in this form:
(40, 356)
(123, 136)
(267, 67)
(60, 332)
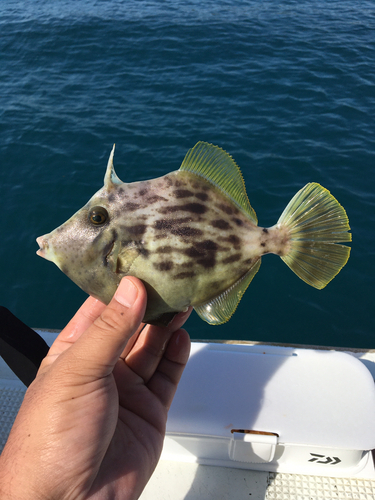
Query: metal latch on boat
(252, 446)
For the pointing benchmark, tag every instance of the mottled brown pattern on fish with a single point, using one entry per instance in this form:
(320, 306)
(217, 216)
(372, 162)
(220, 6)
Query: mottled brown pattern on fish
(186, 193)
(184, 275)
(232, 258)
(187, 264)
(168, 181)
(232, 239)
(228, 209)
(154, 199)
(199, 247)
(183, 193)
(179, 183)
(137, 230)
(202, 196)
(164, 266)
(237, 221)
(186, 232)
(164, 249)
(194, 208)
(131, 206)
(169, 224)
(144, 252)
(215, 285)
(220, 224)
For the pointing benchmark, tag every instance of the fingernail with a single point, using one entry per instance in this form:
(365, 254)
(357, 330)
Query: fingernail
(126, 293)
(177, 339)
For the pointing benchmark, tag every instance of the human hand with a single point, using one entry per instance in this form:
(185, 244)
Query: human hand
(92, 423)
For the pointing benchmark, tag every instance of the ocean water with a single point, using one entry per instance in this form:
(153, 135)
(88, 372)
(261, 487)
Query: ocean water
(286, 87)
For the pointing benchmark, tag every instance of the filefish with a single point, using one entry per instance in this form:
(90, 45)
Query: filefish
(193, 238)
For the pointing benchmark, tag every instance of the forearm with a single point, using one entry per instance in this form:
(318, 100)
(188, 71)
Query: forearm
(20, 478)
(16, 480)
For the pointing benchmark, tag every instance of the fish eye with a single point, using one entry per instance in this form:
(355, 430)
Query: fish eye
(98, 216)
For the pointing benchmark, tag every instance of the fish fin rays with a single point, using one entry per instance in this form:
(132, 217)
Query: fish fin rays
(218, 167)
(318, 264)
(220, 309)
(316, 222)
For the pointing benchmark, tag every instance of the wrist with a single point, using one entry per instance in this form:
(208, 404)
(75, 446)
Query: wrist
(16, 480)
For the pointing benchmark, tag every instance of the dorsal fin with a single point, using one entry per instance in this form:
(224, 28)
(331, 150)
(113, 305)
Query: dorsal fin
(218, 167)
(110, 178)
(219, 309)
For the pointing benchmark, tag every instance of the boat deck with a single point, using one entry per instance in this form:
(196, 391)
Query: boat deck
(181, 481)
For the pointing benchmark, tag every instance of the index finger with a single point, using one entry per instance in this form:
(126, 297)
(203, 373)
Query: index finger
(90, 310)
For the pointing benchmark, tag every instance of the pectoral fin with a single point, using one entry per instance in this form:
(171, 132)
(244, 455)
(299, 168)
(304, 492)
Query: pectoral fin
(121, 258)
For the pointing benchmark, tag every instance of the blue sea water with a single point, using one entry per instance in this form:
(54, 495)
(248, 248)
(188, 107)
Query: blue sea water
(286, 87)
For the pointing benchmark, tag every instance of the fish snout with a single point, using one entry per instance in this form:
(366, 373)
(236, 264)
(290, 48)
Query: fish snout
(43, 246)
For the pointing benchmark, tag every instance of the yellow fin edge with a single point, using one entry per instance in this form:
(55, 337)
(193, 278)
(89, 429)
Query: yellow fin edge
(218, 167)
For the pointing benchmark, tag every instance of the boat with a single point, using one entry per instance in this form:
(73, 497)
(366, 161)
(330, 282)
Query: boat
(258, 420)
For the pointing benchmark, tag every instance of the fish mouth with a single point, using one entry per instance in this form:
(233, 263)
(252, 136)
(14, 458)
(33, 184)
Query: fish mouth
(43, 246)
(47, 250)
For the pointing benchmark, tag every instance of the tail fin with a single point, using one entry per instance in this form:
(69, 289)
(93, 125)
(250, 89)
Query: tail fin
(316, 223)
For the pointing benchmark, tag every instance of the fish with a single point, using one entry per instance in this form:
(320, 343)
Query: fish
(192, 237)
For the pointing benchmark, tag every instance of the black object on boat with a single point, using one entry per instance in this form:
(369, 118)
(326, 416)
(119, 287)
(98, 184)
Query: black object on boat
(20, 346)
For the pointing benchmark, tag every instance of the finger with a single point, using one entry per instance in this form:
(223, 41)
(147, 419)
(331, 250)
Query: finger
(165, 380)
(131, 342)
(97, 350)
(175, 324)
(84, 317)
(147, 351)
(90, 310)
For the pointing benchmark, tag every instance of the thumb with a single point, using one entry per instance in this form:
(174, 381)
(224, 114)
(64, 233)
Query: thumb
(98, 349)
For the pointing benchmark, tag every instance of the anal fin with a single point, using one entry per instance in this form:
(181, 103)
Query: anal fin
(219, 309)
